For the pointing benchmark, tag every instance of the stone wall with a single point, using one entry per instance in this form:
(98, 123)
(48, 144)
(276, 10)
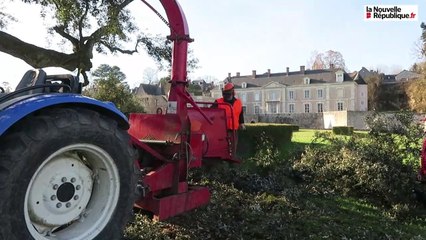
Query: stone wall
(326, 120)
(357, 120)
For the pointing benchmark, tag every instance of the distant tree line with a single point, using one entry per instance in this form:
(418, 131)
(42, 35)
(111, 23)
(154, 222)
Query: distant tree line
(109, 85)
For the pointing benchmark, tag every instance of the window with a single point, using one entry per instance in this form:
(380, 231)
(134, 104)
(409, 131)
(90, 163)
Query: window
(291, 95)
(339, 106)
(244, 97)
(257, 96)
(244, 109)
(243, 85)
(339, 76)
(291, 108)
(306, 81)
(307, 94)
(319, 93)
(307, 108)
(256, 110)
(273, 96)
(320, 108)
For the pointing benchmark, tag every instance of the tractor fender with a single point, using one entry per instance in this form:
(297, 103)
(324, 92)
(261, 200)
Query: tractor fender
(14, 110)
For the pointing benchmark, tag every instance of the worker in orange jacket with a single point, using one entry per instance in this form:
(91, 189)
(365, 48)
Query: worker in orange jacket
(234, 116)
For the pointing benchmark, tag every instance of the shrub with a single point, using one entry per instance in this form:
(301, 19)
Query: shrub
(401, 129)
(343, 130)
(361, 167)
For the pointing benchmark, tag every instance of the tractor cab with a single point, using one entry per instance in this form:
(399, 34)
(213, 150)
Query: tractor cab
(36, 81)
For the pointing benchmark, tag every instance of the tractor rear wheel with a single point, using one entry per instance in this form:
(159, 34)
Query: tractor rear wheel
(66, 174)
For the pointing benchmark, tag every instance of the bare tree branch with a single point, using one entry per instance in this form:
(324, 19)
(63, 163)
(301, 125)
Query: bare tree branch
(117, 49)
(35, 56)
(61, 31)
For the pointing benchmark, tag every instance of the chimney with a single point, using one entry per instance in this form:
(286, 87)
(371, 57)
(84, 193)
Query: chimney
(269, 72)
(288, 70)
(229, 77)
(302, 69)
(238, 74)
(254, 74)
(331, 66)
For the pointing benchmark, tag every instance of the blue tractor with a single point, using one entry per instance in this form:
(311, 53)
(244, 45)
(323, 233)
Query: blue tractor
(66, 165)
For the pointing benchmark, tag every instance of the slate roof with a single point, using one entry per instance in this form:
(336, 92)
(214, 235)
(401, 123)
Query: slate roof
(407, 75)
(148, 89)
(365, 73)
(358, 78)
(293, 78)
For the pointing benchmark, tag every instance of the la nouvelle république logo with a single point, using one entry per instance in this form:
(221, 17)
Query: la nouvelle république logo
(391, 13)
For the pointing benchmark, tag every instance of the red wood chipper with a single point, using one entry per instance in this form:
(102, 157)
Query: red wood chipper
(170, 144)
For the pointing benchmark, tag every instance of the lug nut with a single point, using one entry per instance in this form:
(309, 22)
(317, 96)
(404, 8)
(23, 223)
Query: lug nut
(68, 205)
(78, 187)
(76, 197)
(64, 179)
(72, 180)
(58, 205)
(55, 186)
(53, 197)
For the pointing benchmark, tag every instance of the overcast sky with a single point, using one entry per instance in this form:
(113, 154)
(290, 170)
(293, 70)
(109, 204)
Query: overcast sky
(244, 35)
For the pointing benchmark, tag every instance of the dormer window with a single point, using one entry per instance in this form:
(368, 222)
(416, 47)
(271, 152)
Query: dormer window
(306, 80)
(244, 85)
(339, 76)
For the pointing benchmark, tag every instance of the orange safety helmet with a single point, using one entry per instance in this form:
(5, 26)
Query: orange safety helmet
(228, 87)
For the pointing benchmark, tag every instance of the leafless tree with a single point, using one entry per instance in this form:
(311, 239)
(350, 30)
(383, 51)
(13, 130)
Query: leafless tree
(150, 75)
(328, 59)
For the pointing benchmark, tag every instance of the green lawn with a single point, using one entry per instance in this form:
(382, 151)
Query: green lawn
(304, 135)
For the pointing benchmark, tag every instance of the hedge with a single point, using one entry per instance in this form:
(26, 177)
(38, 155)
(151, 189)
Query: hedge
(343, 130)
(249, 139)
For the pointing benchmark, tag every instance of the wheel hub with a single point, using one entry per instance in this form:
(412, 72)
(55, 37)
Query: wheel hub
(64, 187)
(65, 192)
(72, 194)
